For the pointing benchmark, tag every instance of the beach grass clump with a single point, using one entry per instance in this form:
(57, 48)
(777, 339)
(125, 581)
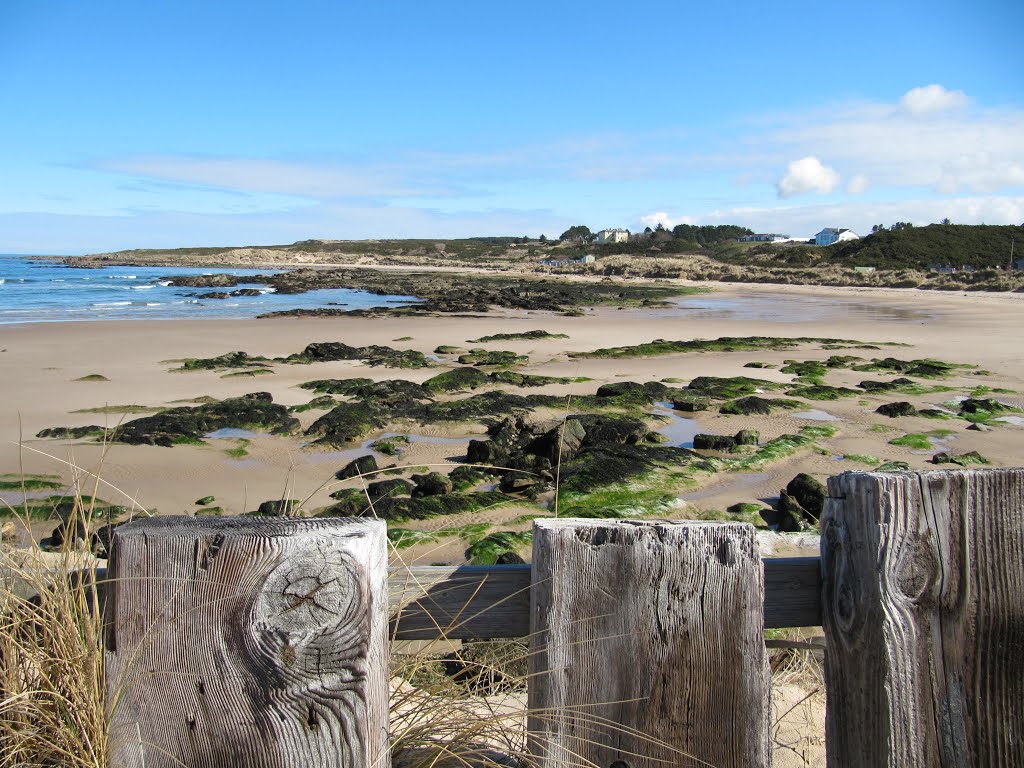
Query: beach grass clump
(248, 373)
(492, 358)
(30, 483)
(862, 458)
(390, 446)
(240, 450)
(818, 431)
(822, 392)
(130, 409)
(913, 440)
(775, 449)
(526, 335)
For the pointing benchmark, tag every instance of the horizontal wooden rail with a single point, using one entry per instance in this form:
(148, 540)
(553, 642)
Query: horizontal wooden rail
(463, 602)
(427, 602)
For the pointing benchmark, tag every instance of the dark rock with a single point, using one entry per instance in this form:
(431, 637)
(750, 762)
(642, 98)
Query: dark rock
(703, 442)
(979, 427)
(363, 465)
(784, 521)
(395, 487)
(485, 452)
(893, 410)
(277, 507)
(561, 443)
(622, 430)
(509, 558)
(942, 457)
(809, 494)
(691, 405)
(514, 482)
(431, 484)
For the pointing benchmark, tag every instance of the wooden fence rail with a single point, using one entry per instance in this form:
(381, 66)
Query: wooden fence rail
(264, 642)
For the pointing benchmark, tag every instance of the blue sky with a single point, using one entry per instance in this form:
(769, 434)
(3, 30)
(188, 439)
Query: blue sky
(129, 125)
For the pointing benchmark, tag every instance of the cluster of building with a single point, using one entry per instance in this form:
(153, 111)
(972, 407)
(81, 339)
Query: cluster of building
(827, 236)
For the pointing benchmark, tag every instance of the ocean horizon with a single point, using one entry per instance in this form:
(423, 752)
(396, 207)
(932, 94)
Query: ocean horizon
(37, 289)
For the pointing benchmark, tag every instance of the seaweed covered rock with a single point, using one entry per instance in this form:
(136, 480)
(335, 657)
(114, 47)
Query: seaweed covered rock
(492, 357)
(487, 550)
(703, 442)
(391, 487)
(885, 386)
(718, 388)
(748, 437)
(256, 412)
(374, 354)
(277, 507)
(633, 393)
(752, 405)
(362, 465)
(895, 410)
(228, 360)
(353, 503)
(457, 380)
(347, 422)
(988, 405)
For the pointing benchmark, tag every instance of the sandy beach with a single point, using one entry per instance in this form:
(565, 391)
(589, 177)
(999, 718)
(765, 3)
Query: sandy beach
(43, 363)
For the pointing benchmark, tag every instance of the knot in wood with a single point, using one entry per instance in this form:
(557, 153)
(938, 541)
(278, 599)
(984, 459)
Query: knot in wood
(918, 570)
(307, 595)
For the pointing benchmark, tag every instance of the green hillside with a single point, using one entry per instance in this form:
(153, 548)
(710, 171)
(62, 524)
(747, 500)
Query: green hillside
(953, 245)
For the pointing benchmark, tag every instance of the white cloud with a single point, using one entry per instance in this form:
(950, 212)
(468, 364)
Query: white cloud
(930, 99)
(807, 175)
(652, 220)
(858, 185)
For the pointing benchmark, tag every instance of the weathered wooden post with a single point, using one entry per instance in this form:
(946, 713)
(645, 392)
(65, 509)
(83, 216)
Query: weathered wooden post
(258, 642)
(647, 645)
(923, 608)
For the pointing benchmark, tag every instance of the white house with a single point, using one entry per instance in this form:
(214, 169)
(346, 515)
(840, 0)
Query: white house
(770, 237)
(612, 236)
(831, 235)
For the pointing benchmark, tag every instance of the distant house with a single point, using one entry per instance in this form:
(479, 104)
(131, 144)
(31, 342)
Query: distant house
(588, 259)
(831, 235)
(1018, 264)
(765, 238)
(612, 236)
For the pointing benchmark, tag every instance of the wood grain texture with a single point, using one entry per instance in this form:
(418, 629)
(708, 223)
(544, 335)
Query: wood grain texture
(923, 595)
(258, 642)
(492, 601)
(647, 645)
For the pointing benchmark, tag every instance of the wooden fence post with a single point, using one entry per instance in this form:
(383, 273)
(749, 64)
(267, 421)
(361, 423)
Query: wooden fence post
(923, 608)
(647, 645)
(258, 642)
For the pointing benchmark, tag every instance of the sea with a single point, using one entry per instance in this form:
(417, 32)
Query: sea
(36, 290)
